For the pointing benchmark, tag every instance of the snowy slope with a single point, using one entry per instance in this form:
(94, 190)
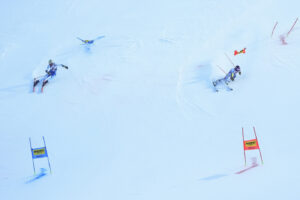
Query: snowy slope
(136, 116)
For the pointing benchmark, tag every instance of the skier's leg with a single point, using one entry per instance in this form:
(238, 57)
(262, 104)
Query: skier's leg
(225, 80)
(35, 82)
(38, 79)
(217, 81)
(46, 78)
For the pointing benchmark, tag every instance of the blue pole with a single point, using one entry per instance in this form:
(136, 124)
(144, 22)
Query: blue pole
(31, 155)
(47, 156)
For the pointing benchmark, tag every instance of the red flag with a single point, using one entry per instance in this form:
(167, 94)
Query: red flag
(239, 52)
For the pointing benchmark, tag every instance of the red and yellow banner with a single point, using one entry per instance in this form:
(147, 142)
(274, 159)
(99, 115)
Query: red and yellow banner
(251, 144)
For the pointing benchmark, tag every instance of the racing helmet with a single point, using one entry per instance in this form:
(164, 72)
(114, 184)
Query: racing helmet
(237, 68)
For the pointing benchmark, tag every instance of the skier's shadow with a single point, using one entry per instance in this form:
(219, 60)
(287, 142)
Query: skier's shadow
(87, 48)
(13, 89)
(213, 177)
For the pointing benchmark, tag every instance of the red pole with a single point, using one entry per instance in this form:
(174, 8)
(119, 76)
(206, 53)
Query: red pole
(292, 27)
(262, 162)
(274, 28)
(229, 59)
(244, 145)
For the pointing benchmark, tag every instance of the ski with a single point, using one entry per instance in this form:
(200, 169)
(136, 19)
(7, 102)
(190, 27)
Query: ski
(100, 37)
(42, 89)
(217, 82)
(229, 88)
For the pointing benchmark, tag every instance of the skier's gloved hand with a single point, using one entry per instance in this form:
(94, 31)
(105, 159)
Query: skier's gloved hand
(232, 78)
(240, 73)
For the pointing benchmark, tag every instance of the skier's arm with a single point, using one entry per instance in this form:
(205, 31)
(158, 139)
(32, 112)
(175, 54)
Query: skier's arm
(47, 69)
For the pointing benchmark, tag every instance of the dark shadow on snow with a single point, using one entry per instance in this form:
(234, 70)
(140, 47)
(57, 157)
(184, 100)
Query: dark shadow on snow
(213, 177)
(43, 172)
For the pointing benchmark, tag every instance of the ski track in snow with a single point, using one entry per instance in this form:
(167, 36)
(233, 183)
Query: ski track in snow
(181, 98)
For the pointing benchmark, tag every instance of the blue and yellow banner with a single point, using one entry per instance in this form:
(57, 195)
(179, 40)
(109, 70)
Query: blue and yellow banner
(39, 152)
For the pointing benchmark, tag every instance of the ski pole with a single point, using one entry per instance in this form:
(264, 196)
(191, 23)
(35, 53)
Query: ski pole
(221, 69)
(229, 59)
(292, 27)
(274, 29)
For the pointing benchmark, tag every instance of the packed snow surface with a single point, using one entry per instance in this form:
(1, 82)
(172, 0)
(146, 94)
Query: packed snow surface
(135, 117)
